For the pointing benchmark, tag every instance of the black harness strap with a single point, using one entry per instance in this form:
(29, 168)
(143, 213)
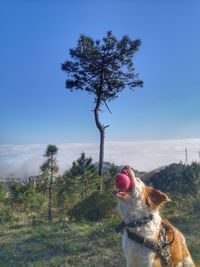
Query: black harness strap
(161, 246)
(133, 224)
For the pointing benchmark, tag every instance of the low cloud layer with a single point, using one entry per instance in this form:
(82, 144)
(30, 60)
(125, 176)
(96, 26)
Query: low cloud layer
(25, 160)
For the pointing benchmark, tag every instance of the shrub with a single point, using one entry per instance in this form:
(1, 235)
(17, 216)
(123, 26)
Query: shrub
(95, 207)
(5, 215)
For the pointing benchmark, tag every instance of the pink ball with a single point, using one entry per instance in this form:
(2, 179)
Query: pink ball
(122, 181)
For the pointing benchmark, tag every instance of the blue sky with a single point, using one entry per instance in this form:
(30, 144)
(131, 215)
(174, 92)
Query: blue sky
(35, 39)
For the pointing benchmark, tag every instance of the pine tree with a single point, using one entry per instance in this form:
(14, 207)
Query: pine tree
(49, 171)
(82, 177)
(103, 69)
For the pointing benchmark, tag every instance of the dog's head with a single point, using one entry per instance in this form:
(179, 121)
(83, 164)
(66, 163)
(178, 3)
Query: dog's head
(152, 198)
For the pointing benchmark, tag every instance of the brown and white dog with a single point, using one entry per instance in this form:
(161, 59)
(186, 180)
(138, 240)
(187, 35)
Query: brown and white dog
(148, 240)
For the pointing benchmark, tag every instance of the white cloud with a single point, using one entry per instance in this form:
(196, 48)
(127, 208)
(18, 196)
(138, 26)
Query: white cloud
(24, 160)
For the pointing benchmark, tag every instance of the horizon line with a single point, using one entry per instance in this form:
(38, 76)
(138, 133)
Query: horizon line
(106, 141)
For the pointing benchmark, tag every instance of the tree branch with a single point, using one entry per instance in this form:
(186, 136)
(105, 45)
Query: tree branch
(106, 126)
(107, 106)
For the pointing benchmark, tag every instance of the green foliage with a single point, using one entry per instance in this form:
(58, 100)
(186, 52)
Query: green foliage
(105, 66)
(94, 208)
(81, 191)
(51, 151)
(196, 207)
(18, 193)
(82, 178)
(6, 215)
(24, 197)
(178, 178)
(49, 171)
(2, 193)
(34, 199)
(28, 239)
(49, 168)
(110, 177)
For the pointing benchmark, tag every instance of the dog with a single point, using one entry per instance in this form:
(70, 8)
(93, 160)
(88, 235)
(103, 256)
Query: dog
(148, 240)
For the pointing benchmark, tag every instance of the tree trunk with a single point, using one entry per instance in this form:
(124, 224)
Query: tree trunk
(49, 201)
(50, 191)
(101, 158)
(83, 184)
(101, 150)
(101, 129)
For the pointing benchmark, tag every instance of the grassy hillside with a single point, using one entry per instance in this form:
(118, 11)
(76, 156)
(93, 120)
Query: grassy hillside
(75, 244)
(28, 240)
(55, 244)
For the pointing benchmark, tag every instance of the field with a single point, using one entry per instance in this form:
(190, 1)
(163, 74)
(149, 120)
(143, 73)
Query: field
(58, 244)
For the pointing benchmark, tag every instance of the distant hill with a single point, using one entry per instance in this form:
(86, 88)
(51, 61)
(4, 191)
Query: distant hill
(108, 165)
(176, 178)
(172, 178)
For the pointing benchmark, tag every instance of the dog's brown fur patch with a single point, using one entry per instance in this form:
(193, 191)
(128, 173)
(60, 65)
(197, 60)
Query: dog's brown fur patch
(154, 198)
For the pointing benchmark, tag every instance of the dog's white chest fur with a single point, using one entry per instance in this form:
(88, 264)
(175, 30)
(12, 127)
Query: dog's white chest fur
(137, 255)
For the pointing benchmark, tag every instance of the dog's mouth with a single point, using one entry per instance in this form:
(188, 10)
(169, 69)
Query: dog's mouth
(122, 193)
(125, 192)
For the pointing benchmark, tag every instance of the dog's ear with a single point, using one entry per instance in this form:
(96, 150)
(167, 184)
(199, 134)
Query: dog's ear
(155, 198)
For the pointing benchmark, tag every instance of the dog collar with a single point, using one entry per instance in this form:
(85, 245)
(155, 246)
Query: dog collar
(134, 224)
